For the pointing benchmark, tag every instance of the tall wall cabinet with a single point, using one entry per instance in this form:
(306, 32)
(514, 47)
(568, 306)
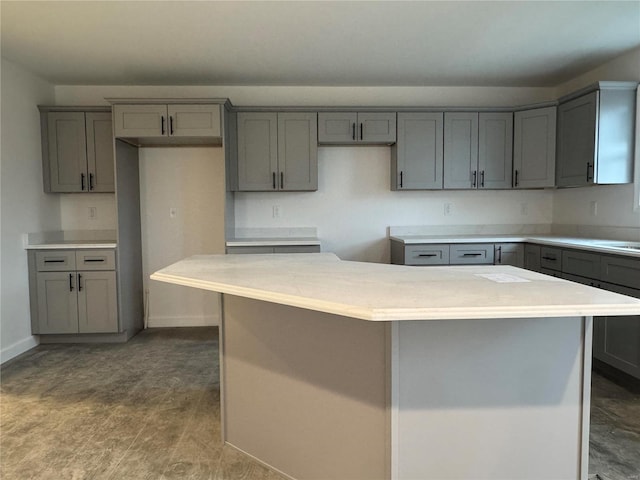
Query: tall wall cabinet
(77, 149)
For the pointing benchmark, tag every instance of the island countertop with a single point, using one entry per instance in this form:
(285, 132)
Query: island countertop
(380, 292)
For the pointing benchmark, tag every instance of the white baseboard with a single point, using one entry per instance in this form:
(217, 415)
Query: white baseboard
(17, 348)
(183, 321)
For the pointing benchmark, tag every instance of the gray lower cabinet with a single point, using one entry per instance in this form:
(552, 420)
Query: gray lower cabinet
(532, 257)
(509, 254)
(534, 148)
(344, 128)
(441, 254)
(478, 150)
(471, 254)
(73, 291)
(77, 151)
(277, 151)
(417, 156)
(275, 249)
(596, 135)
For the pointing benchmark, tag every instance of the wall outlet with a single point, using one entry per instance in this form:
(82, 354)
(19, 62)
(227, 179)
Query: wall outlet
(593, 208)
(276, 211)
(93, 213)
(173, 212)
(524, 208)
(448, 209)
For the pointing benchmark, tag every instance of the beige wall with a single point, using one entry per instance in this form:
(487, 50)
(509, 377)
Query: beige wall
(24, 206)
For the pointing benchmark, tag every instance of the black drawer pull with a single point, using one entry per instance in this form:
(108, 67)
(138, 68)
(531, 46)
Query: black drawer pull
(71, 282)
(87, 260)
(353, 131)
(79, 282)
(471, 254)
(553, 259)
(54, 261)
(428, 255)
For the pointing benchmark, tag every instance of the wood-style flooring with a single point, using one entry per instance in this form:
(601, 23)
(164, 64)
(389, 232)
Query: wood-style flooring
(149, 409)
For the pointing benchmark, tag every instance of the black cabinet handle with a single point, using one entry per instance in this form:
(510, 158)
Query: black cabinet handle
(273, 180)
(427, 254)
(589, 167)
(553, 259)
(482, 179)
(353, 131)
(401, 178)
(86, 260)
(82, 182)
(79, 282)
(170, 124)
(475, 177)
(71, 282)
(162, 124)
(516, 181)
(91, 181)
(361, 132)
(471, 254)
(281, 180)
(54, 261)
(499, 254)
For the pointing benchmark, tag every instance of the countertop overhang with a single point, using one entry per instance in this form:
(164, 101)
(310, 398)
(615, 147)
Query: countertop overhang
(381, 292)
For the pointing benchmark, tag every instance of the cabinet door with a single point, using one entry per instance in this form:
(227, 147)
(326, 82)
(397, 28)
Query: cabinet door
(298, 151)
(131, 121)
(257, 151)
(194, 120)
(495, 150)
(97, 303)
(100, 158)
(583, 264)
(460, 150)
(417, 156)
(534, 148)
(532, 257)
(337, 127)
(57, 302)
(617, 339)
(576, 141)
(509, 254)
(67, 152)
(377, 127)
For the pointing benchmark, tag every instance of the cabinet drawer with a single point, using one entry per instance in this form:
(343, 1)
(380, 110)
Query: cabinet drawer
(551, 258)
(621, 271)
(55, 260)
(581, 263)
(471, 254)
(296, 249)
(426, 255)
(95, 260)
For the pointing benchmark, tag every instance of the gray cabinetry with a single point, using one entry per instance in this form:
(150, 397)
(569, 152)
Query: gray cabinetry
(509, 254)
(534, 148)
(441, 254)
(596, 136)
(551, 258)
(478, 150)
(532, 257)
(621, 271)
(277, 151)
(417, 156)
(77, 151)
(73, 291)
(275, 249)
(356, 127)
(581, 263)
(470, 254)
(166, 120)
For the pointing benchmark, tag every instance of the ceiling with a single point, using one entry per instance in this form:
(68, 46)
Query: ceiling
(383, 43)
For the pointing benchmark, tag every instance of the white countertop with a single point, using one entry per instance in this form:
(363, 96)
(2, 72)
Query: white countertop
(596, 245)
(272, 241)
(381, 292)
(71, 245)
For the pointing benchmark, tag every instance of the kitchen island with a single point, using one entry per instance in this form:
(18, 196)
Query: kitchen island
(336, 370)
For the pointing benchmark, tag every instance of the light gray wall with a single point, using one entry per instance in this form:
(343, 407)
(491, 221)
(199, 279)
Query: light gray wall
(24, 206)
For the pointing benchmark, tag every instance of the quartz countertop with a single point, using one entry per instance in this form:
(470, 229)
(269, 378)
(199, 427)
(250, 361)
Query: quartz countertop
(596, 245)
(71, 245)
(380, 292)
(271, 241)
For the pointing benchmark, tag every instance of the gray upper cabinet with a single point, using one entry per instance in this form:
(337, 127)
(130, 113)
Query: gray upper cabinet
(277, 151)
(167, 120)
(478, 150)
(534, 148)
(77, 151)
(357, 127)
(417, 156)
(460, 150)
(596, 136)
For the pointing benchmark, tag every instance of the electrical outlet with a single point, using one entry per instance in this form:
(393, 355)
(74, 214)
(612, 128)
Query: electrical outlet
(448, 209)
(594, 208)
(92, 213)
(524, 208)
(276, 211)
(173, 212)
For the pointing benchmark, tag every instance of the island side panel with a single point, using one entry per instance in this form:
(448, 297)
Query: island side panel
(306, 392)
(491, 399)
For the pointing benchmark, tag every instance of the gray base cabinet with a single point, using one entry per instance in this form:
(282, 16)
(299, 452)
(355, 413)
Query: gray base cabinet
(73, 291)
(77, 151)
(596, 135)
(343, 128)
(509, 254)
(534, 148)
(274, 249)
(277, 151)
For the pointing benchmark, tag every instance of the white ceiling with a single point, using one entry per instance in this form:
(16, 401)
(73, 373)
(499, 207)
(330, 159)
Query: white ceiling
(479, 43)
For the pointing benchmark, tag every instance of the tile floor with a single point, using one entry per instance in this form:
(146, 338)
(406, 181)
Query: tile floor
(149, 409)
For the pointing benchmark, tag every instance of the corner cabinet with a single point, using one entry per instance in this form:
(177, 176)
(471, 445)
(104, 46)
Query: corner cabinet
(277, 151)
(77, 150)
(596, 131)
(343, 128)
(534, 148)
(478, 150)
(417, 156)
